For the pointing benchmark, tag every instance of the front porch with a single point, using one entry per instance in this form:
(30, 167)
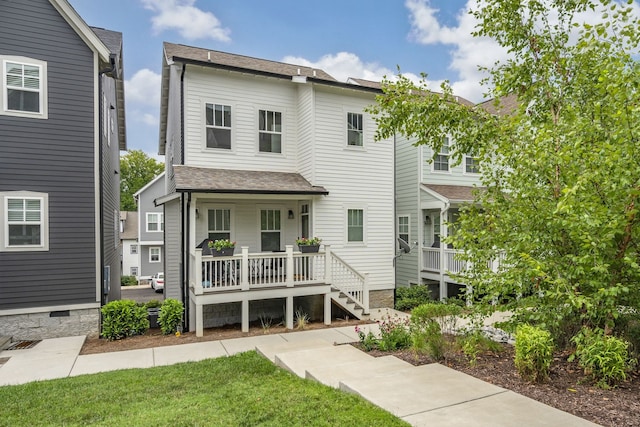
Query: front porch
(246, 277)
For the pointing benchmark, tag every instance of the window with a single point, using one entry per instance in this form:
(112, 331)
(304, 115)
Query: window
(270, 130)
(436, 231)
(133, 271)
(270, 230)
(218, 126)
(24, 217)
(355, 225)
(403, 228)
(441, 161)
(219, 224)
(354, 129)
(471, 164)
(23, 87)
(134, 249)
(154, 254)
(155, 222)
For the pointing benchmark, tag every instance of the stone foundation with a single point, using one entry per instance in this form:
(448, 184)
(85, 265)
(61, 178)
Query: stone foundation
(381, 299)
(54, 324)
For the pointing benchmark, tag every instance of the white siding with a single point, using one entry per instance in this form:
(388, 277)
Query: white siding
(360, 178)
(173, 142)
(455, 175)
(306, 132)
(246, 95)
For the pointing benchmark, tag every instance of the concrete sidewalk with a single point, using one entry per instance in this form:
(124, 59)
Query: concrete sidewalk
(432, 395)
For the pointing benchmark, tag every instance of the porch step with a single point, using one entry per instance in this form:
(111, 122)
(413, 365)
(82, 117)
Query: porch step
(348, 305)
(5, 342)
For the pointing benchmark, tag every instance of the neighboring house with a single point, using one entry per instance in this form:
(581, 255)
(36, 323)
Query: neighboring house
(129, 244)
(429, 195)
(262, 153)
(150, 228)
(61, 130)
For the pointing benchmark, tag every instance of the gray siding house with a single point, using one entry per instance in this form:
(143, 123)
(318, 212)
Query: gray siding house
(61, 130)
(150, 228)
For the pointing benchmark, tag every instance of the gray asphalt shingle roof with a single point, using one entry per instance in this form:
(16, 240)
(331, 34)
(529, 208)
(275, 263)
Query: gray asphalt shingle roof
(453, 192)
(194, 179)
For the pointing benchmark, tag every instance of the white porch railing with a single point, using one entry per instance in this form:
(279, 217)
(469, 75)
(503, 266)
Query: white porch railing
(431, 261)
(247, 271)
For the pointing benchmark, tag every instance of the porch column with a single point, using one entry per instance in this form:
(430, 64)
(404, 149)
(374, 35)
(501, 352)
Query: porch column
(327, 309)
(365, 294)
(199, 321)
(327, 265)
(443, 260)
(289, 315)
(289, 272)
(245, 315)
(197, 273)
(244, 269)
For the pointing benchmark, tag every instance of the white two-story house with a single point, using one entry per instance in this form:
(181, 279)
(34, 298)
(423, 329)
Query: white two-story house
(430, 191)
(150, 228)
(263, 153)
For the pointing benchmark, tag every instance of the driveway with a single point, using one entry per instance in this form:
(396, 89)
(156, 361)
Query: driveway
(142, 293)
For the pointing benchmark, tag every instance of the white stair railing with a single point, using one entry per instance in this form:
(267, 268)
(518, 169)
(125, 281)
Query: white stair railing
(348, 281)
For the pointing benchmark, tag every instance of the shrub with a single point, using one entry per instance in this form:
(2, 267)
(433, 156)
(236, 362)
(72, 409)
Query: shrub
(412, 296)
(474, 342)
(128, 280)
(604, 358)
(369, 341)
(154, 303)
(394, 334)
(123, 318)
(445, 314)
(428, 322)
(534, 352)
(170, 316)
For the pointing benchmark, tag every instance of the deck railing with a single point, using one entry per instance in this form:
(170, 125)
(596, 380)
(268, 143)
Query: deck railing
(431, 261)
(247, 271)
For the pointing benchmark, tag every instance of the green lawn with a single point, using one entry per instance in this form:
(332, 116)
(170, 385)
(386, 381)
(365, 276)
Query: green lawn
(242, 390)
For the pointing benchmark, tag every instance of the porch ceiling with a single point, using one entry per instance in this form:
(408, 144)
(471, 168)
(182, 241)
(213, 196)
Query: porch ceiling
(206, 180)
(451, 193)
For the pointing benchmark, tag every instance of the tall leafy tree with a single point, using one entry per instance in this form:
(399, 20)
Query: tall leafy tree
(136, 170)
(560, 167)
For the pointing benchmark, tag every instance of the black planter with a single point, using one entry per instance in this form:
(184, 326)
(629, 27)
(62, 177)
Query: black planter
(307, 249)
(223, 252)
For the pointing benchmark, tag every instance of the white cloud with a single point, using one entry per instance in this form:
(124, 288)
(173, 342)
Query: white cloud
(144, 88)
(191, 22)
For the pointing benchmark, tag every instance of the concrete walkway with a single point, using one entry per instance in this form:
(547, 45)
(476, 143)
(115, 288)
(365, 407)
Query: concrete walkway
(429, 395)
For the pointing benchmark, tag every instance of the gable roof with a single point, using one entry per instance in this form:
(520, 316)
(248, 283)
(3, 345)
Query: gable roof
(149, 184)
(130, 231)
(206, 180)
(451, 193)
(500, 106)
(229, 61)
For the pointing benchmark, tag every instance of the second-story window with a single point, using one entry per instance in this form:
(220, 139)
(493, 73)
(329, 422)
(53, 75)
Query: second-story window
(471, 164)
(354, 129)
(441, 161)
(218, 124)
(23, 86)
(155, 222)
(270, 130)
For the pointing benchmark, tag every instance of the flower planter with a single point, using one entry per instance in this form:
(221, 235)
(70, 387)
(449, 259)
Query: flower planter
(307, 249)
(222, 252)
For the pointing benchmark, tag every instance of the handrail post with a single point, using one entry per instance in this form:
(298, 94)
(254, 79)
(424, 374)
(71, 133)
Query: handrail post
(289, 266)
(197, 269)
(244, 269)
(328, 277)
(365, 294)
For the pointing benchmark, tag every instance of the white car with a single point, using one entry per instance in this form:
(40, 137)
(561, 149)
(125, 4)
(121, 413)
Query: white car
(157, 282)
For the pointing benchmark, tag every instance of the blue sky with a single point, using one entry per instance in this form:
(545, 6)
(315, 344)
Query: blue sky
(346, 38)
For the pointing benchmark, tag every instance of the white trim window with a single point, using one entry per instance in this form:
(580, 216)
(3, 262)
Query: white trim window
(441, 160)
(219, 224)
(24, 87)
(155, 254)
(133, 271)
(155, 222)
(25, 218)
(355, 225)
(269, 131)
(355, 128)
(270, 229)
(471, 164)
(218, 126)
(403, 228)
(134, 250)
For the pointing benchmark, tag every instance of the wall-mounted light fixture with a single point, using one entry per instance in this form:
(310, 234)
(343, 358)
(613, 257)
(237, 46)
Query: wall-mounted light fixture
(290, 214)
(197, 214)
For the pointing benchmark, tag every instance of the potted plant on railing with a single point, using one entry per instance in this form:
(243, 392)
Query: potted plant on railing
(222, 247)
(308, 244)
